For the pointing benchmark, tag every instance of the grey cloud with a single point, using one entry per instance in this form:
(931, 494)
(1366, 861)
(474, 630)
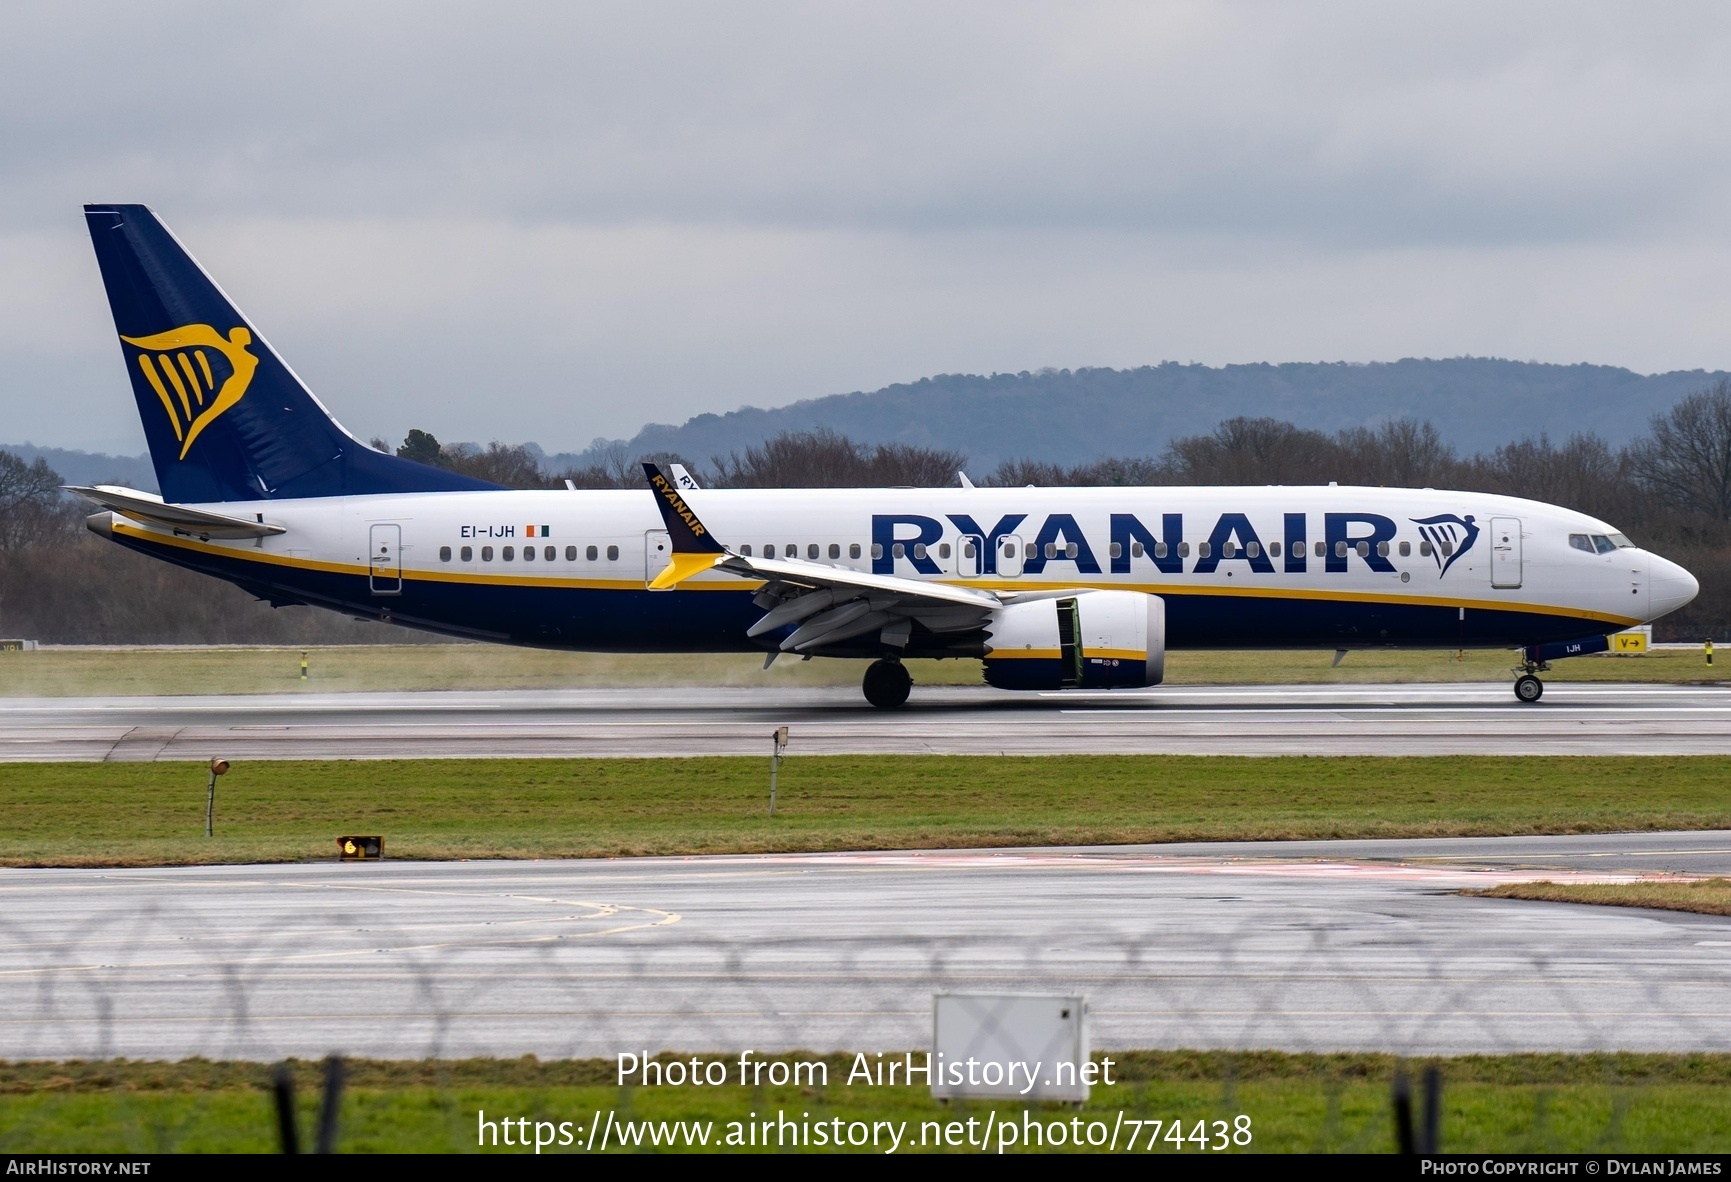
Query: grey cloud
(555, 221)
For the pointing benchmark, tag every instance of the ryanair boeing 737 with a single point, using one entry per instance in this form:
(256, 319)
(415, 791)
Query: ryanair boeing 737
(1051, 588)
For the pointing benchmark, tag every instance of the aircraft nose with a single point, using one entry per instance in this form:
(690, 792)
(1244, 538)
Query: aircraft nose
(1671, 587)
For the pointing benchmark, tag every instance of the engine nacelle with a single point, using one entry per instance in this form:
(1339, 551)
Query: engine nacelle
(1090, 640)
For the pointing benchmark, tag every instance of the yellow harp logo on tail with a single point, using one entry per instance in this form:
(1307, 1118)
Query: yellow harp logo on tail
(177, 364)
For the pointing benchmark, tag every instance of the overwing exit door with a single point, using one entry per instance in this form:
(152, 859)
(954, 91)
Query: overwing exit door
(385, 559)
(1506, 552)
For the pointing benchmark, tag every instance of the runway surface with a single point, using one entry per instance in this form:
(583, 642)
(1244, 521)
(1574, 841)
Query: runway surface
(1312, 946)
(1278, 720)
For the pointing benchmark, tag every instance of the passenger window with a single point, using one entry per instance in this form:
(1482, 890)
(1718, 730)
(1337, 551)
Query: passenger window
(811, 551)
(528, 554)
(1071, 550)
(1228, 549)
(1204, 549)
(769, 549)
(897, 550)
(1424, 548)
(835, 550)
(591, 554)
(1030, 551)
(1405, 549)
(1322, 549)
(1009, 549)
(877, 549)
(1051, 550)
(1274, 549)
(1136, 549)
(1184, 549)
(1159, 549)
(1363, 549)
(967, 549)
(1117, 550)
(507, 553)
(1604, 544)
(1340, 549)
(853, 550)
(486, 553)
(570, 554)
(613, 554)
(444, 554)
(919, 550)
(1582, 542)
(1254, 549)
(468, 554)
(1448, 547)
(791, 549)
(746, 549)
(1382, 549)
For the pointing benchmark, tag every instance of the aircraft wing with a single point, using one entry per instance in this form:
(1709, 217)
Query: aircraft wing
(827, 604)
(153, 510)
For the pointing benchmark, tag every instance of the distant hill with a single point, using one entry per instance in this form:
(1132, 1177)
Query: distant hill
(88, 467)
(1072, 416)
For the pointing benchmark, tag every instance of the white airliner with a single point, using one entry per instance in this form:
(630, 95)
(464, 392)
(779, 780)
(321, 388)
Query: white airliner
(1051, 588)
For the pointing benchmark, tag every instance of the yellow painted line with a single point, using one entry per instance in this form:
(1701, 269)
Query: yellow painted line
(249, 554)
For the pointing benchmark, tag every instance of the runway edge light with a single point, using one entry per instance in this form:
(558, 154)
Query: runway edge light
(360, 849)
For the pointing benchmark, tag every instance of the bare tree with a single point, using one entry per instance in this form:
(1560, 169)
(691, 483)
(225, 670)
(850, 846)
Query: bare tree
(1403, 453)
(32, 508)
(824, 459)
(1686, 462)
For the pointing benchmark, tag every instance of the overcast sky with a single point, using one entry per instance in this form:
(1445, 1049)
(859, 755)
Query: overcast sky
(560, 221)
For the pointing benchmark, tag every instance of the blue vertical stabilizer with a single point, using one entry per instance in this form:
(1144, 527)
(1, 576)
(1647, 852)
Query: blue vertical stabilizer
(226, 419)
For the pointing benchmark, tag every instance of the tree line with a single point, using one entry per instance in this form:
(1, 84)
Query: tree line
(1669, 490)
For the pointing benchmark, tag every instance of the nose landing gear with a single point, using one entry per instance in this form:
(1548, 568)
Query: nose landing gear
(886, 684)
(1528, 687)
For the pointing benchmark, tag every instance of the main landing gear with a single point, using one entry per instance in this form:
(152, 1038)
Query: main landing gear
(887, 684)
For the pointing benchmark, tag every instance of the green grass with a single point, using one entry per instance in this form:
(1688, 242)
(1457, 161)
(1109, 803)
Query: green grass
(77, 814)
(59, 672)
(1296, 1103)
(1710, 896)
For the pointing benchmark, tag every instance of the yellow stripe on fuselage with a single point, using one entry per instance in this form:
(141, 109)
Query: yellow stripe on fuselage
(474, 578)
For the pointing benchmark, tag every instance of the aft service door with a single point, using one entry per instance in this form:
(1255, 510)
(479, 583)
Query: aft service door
(1506, 552)
(385, 563)
(657, 553)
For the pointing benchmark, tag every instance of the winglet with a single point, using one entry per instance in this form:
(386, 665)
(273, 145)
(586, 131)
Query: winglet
(694, 548)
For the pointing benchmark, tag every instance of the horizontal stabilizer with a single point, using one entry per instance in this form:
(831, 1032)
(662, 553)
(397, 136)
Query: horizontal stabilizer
(153, 510)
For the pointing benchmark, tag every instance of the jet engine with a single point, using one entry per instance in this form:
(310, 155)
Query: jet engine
(1090, 640)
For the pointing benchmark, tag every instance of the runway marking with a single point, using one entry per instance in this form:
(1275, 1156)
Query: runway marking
(667, 918)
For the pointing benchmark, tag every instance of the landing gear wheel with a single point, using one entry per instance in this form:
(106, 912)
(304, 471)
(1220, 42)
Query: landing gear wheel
(887, 684)
(1529, 688)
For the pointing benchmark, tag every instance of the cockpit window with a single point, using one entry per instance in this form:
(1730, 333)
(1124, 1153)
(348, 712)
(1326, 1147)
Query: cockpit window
(1600, 543)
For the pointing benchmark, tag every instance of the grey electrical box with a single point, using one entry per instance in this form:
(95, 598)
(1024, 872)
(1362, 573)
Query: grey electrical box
(1010, 1046)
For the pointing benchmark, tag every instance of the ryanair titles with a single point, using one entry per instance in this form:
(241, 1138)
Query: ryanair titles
(1015, 543)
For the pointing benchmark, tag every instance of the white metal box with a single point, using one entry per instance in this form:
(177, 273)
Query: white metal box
(1010, 1046)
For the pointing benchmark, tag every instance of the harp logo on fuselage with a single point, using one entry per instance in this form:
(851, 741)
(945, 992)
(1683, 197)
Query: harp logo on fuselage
(196, 373)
